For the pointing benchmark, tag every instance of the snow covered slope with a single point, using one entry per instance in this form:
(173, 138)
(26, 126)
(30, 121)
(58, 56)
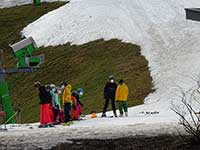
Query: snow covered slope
(11, 3)
(169, 41)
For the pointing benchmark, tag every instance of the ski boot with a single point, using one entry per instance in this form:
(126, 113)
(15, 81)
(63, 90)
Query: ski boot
(68, 123)
(121, 115)
(103, 115)
(42, 126)
(115, 115)
(50, 125)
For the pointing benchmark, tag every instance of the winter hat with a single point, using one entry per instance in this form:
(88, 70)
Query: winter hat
(74, 93)
(121, 81)
(52, 86)
(64, 83)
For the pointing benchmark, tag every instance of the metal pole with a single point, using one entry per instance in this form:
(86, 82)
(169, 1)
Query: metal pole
(37, 2)
(4, 94)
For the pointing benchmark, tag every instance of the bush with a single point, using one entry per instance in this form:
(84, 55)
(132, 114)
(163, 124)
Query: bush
(188, 111)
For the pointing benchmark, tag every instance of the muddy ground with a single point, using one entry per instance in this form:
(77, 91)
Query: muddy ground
(164, 142)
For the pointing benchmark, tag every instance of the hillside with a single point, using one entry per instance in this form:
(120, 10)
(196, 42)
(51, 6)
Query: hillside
(87, 40)
(168, 41)
(87, 65)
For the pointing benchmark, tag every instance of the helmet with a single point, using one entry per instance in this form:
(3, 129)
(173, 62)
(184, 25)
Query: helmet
(52, 86)
(80, 91)
(37, 83)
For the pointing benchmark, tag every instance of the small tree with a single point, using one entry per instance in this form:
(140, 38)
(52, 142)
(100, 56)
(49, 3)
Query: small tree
(188, 110)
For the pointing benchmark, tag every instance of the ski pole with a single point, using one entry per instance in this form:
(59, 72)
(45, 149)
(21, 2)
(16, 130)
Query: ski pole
(11, 117)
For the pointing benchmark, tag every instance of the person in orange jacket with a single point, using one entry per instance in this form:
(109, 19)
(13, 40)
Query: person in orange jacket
(67, 101)
(121, 97)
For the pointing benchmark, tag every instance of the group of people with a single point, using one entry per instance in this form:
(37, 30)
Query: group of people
(51, 111)
(71, 102)
(116, 93)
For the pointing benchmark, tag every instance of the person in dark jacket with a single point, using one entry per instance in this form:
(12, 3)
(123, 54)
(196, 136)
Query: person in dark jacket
(109, 94)
(45, 106)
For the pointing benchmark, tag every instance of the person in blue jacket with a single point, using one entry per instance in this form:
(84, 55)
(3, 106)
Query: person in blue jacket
(55, 102)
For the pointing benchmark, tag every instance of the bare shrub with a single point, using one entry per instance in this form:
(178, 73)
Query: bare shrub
(188, 110)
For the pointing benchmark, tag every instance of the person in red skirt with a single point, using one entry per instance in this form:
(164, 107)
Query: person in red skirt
(45, 106)
(76, 104)
(74, 113)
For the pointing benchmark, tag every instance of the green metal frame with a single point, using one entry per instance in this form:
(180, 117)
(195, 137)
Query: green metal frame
(37, 2)
(26, 51)
(6, 101)
(22, 51)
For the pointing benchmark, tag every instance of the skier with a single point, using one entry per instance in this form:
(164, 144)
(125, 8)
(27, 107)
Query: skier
(77, 105)
(109, 94)
(55, 103)
(67, 101)
(121, 97)
(74, 113)
(80, 92)
(51, 111)
(45, 105)
(61, 115)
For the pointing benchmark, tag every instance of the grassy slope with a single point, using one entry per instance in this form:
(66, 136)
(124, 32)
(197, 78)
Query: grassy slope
(86, 66)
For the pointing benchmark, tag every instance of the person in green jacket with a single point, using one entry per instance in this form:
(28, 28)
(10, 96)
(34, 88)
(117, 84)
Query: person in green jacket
(121, 97)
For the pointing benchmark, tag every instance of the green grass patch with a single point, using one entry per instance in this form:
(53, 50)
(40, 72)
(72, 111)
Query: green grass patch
(87, 66)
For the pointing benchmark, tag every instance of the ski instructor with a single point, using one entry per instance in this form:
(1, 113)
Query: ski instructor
(109, 94)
